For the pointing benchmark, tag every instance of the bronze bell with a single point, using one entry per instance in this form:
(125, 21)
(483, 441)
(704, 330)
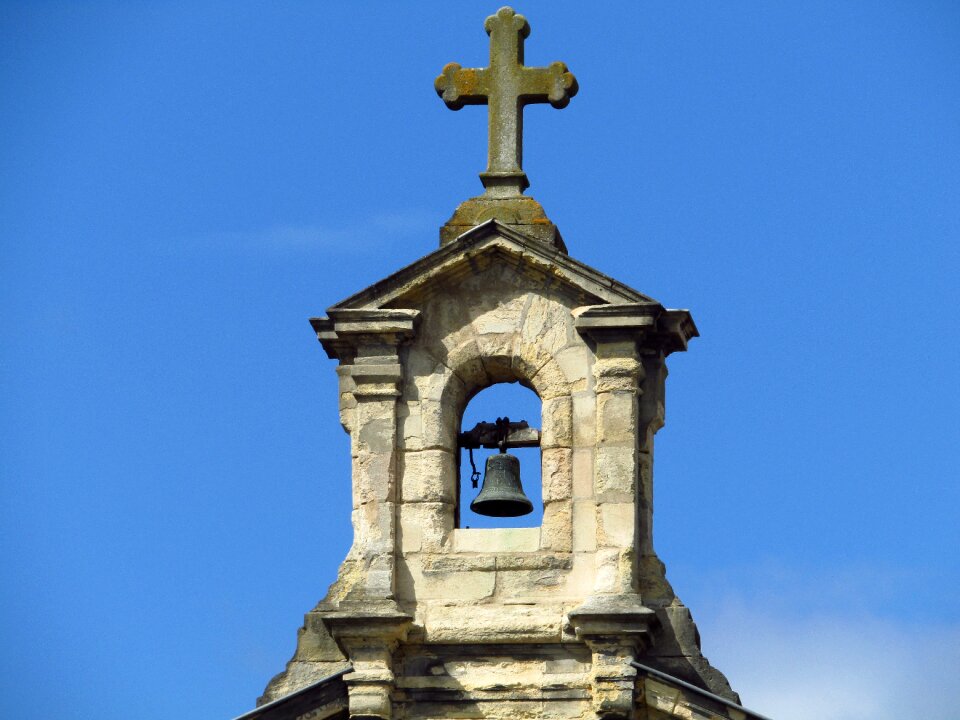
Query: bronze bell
(502, 494)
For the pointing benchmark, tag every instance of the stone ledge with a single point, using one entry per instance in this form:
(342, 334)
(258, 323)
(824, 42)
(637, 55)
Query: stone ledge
(485, 540)
(442, 563)
(616, 617)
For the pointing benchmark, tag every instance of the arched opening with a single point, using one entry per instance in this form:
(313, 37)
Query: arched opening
(518, 403)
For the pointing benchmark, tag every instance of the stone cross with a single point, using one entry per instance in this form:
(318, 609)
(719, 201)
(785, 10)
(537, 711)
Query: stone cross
(506, 86)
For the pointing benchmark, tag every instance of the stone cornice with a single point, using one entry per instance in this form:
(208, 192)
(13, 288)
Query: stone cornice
(491, 237)
(653, 326)
(345, 329)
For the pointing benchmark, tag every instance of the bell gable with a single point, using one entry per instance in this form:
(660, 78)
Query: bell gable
(488, 244)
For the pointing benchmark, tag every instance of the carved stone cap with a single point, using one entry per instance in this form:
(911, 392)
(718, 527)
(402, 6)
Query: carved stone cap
(346, 328)
(520, 213)
(365, 622)
(606, 618)
(648, 322)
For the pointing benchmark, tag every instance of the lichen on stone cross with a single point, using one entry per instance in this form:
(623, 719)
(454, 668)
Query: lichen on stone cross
(505, 87)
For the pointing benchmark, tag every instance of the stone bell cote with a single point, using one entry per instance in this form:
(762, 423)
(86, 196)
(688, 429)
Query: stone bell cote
(570, 619)
(496, 306)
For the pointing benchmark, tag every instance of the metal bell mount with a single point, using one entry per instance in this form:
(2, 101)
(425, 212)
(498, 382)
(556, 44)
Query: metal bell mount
(502, 492)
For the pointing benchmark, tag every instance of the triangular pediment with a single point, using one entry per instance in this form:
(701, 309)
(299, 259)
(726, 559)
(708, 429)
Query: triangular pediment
(484, 244)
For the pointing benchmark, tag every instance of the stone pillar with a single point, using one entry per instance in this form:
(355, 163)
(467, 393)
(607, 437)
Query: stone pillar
(369, 639)
(613, 621)
(376, 376)
(617, 372)
(617, 629)
(360, 610)
(631, 342)
(366, 342)
(614, 331)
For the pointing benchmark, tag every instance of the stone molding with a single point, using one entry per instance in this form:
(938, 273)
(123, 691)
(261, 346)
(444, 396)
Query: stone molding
(653, 326)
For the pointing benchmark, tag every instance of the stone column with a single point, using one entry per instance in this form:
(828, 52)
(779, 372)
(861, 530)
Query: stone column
(617, 373)
(613, 622)
(631, 342)
(360, 610)
(366, 342)
(369, 639)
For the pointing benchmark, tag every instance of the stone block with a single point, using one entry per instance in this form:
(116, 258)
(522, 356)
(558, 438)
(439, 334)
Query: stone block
(617, 525)
(374, 526)
(613, 572)
(557, 419)
(428, 476)
(499, 365)
(426, 374)
(409, 425)
(557, 474)
(584, 419)
(373, 478)
(582, 473)
(429, 525)
(525, 584)
(410, 528)
(489, 324)
(487, 540)
(500, 319)
(557, 529)
(617, 374)
(451, 564)
(439, 425)
(617, 349)
(567, 710)
(580, 579)
(545, 330)
(617, 418)
(584, 526)
(377, 428)
(534, 561)
(379, 582)
(557, 330)
(444, 322)
(566, 665)
(315, 643)
(408, 577)
(467, 587)
(518, 623)
(464, 360)
(575, 362)
(550, 382)
(615, 474)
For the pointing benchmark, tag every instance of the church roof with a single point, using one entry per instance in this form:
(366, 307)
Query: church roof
(326, 698)
(492, 239)
(665, 695)
(671, 697)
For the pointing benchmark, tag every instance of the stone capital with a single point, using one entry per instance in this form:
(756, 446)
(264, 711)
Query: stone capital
(368, 635)
(367, 623)
(616, 619)
(348, 333)
(616, 628)
(648, 324)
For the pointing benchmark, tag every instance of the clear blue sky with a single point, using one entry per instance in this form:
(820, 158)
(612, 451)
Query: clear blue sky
(185, 183)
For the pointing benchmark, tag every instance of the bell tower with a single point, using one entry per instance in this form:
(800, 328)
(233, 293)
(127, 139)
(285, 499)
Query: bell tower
(571, 619)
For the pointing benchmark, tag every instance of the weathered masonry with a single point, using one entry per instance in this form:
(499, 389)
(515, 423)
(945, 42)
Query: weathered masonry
(571, 619)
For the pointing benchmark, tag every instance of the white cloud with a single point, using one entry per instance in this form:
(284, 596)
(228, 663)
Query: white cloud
(792, 664)
(379, 228)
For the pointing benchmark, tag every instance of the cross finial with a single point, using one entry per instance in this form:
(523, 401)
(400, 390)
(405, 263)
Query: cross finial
(505, 86)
